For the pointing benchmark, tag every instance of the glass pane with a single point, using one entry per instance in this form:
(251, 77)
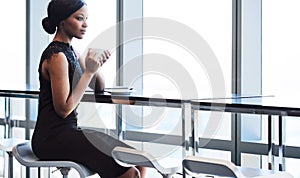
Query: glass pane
(13, 62)
(2, 108)
(217, 154)
(100, 20)
(211, 20)
(280, 57)
(254, 161)
(291, 131)
(280, 42)
(291, 166)
(13, 52)
(216, 129)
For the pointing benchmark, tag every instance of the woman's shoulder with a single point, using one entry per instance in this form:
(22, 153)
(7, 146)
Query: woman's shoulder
(53, 48)
(58, 46)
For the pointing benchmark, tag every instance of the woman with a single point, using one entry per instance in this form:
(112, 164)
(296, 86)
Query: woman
(64, 76)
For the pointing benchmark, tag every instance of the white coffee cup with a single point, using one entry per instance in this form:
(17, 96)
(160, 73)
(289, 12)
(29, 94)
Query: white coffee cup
(98, 51)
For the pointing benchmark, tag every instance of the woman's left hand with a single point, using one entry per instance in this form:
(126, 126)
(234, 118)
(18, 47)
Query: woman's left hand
(104, 57)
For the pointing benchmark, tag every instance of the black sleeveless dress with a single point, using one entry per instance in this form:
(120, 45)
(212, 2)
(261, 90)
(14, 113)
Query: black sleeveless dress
(56, 138)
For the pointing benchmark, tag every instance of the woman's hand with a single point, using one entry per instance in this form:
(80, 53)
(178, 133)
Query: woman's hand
(92, 61)
(104, 57)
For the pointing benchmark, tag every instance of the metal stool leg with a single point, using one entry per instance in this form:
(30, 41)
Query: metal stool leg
(10, 164)
(65, 171)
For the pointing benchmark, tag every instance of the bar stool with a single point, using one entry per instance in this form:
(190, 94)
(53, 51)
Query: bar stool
(7, 144)
(132, 157)
(195, 166)
(24, 154)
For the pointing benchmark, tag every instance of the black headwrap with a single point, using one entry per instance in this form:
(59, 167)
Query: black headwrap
(59, 10)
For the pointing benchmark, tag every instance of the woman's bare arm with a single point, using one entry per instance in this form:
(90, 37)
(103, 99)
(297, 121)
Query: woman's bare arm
(57, 69)
(98, 82)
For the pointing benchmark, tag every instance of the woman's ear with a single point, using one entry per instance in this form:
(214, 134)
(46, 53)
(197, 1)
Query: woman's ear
(62, 23)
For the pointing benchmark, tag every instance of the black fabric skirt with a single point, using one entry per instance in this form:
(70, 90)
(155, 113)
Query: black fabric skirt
(86, 146)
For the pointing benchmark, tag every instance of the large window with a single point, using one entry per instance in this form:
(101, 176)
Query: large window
(177, 36)
(12, 65)
(13, 50)
(13, 61)
(280, 57)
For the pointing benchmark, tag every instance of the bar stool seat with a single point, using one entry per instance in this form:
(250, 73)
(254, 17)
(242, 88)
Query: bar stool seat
(24, 154)
(7, 144)
(195, 166)
(132, 157)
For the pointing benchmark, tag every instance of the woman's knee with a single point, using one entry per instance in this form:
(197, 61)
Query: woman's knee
(142, 171)
(133, 172)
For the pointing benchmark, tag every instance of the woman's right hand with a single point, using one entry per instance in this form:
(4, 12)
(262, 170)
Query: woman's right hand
(92, 61)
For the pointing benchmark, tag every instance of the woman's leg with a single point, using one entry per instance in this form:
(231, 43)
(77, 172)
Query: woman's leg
(133, 172)
(142, 171)
(105, 143)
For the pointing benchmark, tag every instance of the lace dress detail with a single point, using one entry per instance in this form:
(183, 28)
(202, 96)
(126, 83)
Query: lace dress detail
(48, 121)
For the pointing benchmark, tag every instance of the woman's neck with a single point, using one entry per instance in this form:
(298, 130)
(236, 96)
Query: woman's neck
(62, 38)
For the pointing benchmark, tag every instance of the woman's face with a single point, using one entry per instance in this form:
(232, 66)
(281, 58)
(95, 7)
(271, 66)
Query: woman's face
(76, 24)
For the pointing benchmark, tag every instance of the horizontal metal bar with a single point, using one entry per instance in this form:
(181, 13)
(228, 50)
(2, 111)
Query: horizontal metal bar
(153, 138)
(246, 108)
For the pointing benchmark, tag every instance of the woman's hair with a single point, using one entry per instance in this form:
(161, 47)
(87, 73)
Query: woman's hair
(59, 10)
